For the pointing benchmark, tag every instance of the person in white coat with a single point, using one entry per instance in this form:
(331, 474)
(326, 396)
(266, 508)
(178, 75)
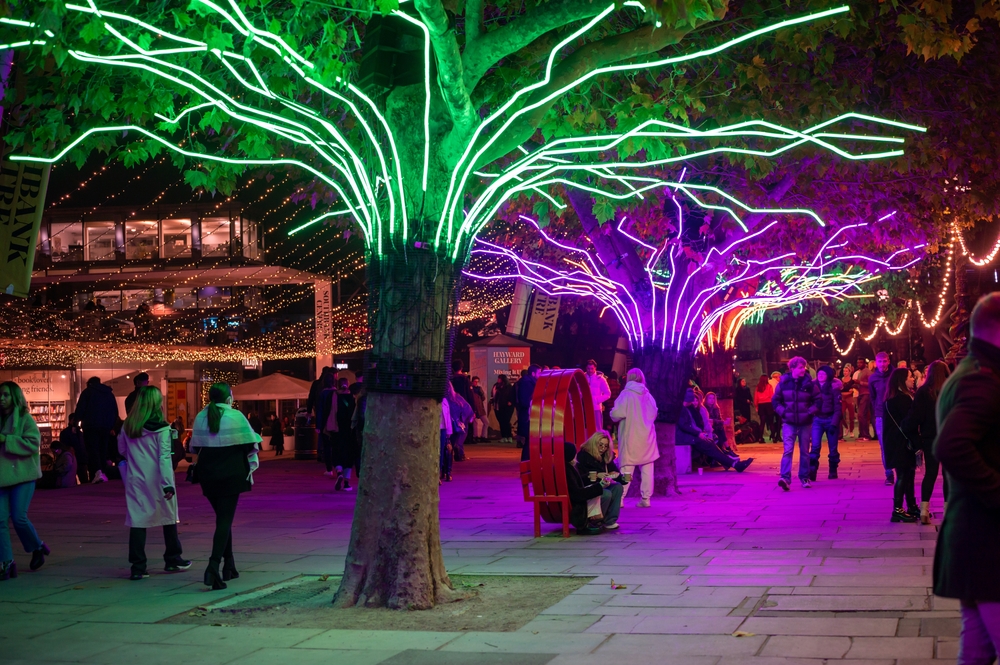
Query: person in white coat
(600, 391)
(150, 493)
(635, 413)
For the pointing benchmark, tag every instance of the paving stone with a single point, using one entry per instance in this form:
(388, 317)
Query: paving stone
(820, 627)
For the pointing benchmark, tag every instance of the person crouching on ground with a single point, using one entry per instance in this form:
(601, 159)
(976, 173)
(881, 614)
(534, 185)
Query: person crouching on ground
(595, 462)
(967, 556)
(150, 492)
(899, 450)
(581, 491)
(227, 457)
(691, 432)
(795, 403)
(64, 469)
(635, 413)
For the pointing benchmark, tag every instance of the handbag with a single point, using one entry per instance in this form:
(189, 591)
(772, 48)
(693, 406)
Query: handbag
(192, 474)
(912, 447)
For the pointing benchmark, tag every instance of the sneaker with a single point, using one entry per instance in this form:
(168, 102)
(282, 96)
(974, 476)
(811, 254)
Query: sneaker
(833, 473)
(136, 576)
(899, 515)
(347, 486)
(611, 527)
(812, 475)
(99, 477)
(890, 481)
(783, 484)
(643, 503)
(177, 566)
(806, 484)
(741, 466)
(38, 557)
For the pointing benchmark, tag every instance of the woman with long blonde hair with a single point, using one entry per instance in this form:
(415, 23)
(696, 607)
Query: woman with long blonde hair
(150, 491)
(20, 467)
(595, 462)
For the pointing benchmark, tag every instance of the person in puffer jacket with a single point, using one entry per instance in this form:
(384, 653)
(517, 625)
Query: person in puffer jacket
(795, 403)
(829, 410)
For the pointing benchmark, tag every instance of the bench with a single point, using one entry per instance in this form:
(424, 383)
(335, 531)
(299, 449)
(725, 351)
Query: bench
(561, 410)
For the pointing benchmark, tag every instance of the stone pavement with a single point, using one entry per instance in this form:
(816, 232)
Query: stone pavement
(734, 571)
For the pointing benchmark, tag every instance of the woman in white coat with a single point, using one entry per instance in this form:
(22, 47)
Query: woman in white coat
(150, 495)
(635, 413)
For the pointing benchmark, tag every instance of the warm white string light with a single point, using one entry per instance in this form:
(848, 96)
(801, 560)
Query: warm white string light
(949, 265)
(973, 260)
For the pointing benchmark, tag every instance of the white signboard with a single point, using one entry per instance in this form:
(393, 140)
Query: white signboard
(40, 385)
(324, 324)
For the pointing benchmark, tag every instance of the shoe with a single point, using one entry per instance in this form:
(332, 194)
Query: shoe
(611, 527)
(812, 474)
(899, 515)
(890, 481)
(925, 518)
(447, 477)
(136, 576)
(340, 483)
(99, 477)
(833, 473)
(177, 566)
(8, 569)
(643, 503)
(38, 557)
(741, 466)
(913, 512)
(229, 571)
(588, 531)
(212, 577)
(806, 484)
(328, 473)
(783, 484)
(347, 486)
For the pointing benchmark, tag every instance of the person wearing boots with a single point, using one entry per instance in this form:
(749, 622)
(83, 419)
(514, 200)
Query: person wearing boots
(795, 403)
(920, 426)
(899, 450)
(227, 457)
(829, 411)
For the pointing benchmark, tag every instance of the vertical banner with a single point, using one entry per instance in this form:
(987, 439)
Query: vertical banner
(519, 308)
(22, 200)
(544, 313)
(323, 290)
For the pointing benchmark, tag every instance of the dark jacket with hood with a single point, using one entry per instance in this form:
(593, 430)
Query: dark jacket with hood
(689, 426)
(795, 399)
(968, 447)
(97, 408)
(580, 489)
(829, 398)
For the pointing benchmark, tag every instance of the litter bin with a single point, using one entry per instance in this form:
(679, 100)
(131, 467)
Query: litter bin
(305, 436)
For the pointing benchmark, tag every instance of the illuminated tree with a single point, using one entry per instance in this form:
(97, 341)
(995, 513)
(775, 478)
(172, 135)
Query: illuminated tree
(225, 86)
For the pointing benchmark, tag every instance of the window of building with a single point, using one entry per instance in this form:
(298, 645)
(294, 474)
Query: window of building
(176, 239)
(251, 250)
(181, 298)
(141, 241)
(66, 241)
(212, 296)
(132, 298)
(111, 300)
(215, 236)
(99, 241)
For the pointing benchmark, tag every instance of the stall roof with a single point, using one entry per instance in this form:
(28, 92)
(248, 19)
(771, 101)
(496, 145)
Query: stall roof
(272, 386)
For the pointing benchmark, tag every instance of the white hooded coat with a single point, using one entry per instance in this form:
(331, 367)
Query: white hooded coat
(635, 413)
(148, 472)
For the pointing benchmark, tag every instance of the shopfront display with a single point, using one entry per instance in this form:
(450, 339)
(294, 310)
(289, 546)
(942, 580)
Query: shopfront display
(48, 395)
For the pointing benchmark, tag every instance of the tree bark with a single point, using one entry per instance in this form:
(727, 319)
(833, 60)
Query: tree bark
(394, 559)
(717, 377)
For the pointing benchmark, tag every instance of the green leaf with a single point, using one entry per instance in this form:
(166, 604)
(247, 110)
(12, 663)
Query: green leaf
(604, 210)
(541, 210)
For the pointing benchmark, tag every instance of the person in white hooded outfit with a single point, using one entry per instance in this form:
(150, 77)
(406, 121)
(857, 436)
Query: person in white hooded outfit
(635, 413)
(150, 492)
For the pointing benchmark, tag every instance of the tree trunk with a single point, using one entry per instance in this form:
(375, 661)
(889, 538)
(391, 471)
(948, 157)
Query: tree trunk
(667, 372)
(959, 328)
(394, 559)
(717, 377)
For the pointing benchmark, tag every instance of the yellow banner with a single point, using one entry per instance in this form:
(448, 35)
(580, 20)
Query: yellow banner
(544, 313)
(22, 200)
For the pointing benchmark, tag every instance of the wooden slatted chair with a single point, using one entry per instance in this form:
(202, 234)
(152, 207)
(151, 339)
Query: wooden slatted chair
(561, 410)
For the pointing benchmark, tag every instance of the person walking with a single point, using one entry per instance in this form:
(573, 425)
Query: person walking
(503, 405)
(277, 436)
(899, 450)
(446, 458)
(461, 417)
(20, 468)
(150, 490)
(827, 421)
(600, 391)
(635, 412)
(140, 381)
(847, 402)
(762, 396)
(326, 424)
(967, 556)
(878, 387)
(920, 426)
(481, 424)
(227, 457)
(864, 400)
(524, 390)
(795, 403)
(98, 411)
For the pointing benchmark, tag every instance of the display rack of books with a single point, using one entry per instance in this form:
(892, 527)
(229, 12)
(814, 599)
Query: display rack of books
(51, 418)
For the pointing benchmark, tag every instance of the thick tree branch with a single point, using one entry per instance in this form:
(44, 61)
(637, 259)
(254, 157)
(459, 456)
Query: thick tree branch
(473, 27)
(492, 47)
(449, 62)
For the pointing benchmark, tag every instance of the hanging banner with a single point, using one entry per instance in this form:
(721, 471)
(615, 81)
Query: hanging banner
(22, 200)
(324, 324)
(519, 308)
(544, 314)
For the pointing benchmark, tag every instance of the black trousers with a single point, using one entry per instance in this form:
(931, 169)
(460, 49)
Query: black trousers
(931, 469)
(96, 441)
(904, 489)
(503, 417)
(137, 547)
(713, 452)
(225, 512)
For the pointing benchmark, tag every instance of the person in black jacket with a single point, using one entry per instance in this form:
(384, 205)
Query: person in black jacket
(742, 399)
(595, 462)
(795, 403)
(98, 410)
(827, 421)
(967, 557)
(524, 389)
(691, 432)
(71, 438)
(503, 405)
(900, 453)
(140, 381)
(920, 426)
(580, 491)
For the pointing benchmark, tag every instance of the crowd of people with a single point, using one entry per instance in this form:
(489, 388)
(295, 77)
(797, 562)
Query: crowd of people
(338, 409)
